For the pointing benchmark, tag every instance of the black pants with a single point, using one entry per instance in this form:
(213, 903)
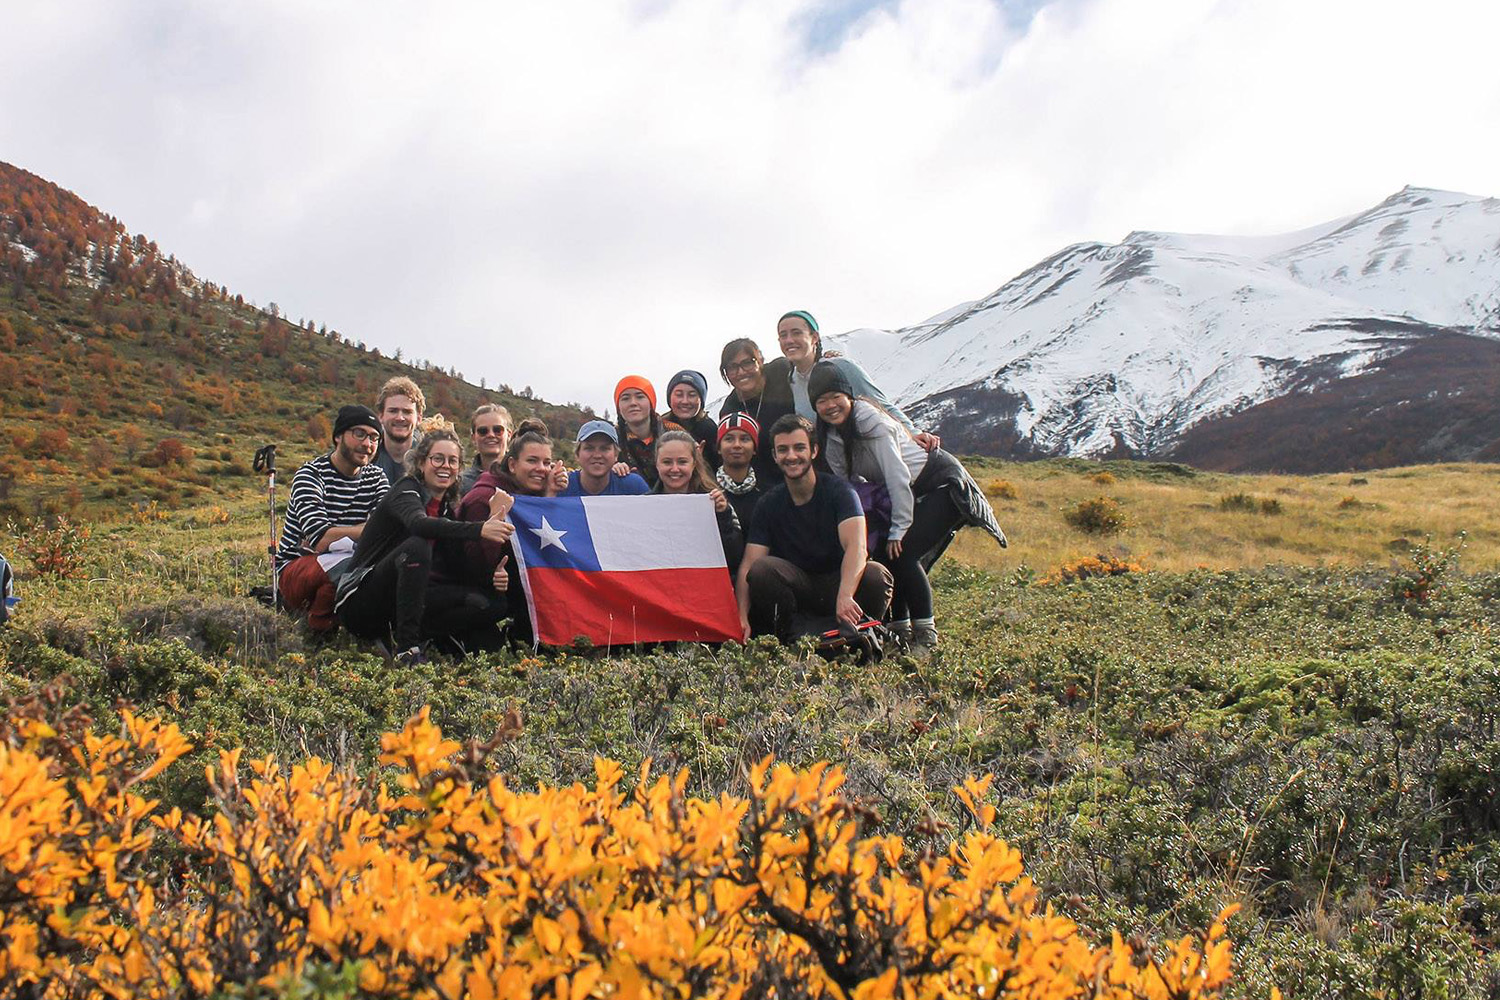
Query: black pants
(936, 518)
(400, 600)
(780, 589)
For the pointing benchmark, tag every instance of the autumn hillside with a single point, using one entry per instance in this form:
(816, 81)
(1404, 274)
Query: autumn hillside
(117, 361)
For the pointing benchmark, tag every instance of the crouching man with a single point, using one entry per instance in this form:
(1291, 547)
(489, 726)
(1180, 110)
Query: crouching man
(332, 498)
(805, 551)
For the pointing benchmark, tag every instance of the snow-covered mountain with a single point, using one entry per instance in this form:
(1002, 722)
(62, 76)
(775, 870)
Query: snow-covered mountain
(1123, 348)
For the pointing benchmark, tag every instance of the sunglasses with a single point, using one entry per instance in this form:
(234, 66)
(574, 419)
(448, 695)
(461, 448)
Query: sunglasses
(485, 432)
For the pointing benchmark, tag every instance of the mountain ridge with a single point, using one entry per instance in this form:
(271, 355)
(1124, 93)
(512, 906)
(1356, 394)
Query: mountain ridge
(1120, 349)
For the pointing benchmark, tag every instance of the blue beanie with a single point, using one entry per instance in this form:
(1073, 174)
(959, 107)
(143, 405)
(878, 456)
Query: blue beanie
(691, 378)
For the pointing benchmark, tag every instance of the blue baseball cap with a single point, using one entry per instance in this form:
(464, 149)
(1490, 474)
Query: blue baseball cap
(593, 427)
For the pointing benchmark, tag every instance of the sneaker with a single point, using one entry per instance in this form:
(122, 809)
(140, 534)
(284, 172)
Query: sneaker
(924, 637)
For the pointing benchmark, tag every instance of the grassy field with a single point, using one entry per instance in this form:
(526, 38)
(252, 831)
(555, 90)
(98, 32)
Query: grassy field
(1179, 518)
(1281, 729)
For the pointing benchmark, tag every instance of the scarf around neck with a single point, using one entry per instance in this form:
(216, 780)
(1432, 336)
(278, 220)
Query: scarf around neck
(730, 486)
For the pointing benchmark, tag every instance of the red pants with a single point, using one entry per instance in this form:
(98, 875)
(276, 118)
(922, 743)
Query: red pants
(304, 586)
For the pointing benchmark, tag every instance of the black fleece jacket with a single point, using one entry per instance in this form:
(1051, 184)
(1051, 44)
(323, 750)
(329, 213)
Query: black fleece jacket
(401, 514)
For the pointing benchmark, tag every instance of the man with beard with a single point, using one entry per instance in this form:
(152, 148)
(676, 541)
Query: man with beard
(332, 497)
(399, 405)
(805, 550)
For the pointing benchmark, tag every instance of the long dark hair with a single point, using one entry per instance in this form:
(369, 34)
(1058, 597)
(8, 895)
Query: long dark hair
(848, 431)
(702, 480)
(625, 431)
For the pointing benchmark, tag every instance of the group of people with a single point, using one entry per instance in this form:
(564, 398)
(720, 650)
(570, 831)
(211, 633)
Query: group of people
(830, 503)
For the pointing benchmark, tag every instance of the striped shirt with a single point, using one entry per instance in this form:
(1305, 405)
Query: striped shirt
(322, 498)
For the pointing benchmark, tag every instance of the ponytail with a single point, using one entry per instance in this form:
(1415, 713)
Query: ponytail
(530, 431)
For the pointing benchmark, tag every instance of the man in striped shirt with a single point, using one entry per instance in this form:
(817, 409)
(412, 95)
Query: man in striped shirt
(332, 497)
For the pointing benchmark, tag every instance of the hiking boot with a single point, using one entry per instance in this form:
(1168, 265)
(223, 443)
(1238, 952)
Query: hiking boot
(924, 639)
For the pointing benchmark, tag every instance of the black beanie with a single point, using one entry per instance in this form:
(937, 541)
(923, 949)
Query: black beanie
(827, 377)
(353, 416)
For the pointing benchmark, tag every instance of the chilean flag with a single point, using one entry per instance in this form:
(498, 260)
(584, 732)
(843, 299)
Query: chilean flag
(621, 570)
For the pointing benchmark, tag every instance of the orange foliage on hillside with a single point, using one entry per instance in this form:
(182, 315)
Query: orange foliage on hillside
(100, 329)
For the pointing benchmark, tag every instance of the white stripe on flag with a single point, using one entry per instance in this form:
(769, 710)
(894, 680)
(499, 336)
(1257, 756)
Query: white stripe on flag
(654, 532)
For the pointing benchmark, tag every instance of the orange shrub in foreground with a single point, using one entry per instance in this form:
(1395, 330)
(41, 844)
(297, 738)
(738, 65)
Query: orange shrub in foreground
(453, 885)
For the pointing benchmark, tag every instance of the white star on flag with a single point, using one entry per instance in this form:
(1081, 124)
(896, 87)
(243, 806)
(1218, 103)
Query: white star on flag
(549, 535)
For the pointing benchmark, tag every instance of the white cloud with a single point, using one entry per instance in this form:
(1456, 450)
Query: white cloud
(557, 194)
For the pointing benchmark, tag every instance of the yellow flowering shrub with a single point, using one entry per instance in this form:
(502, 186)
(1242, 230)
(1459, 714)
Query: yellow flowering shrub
(1091, 566)
(447, 883)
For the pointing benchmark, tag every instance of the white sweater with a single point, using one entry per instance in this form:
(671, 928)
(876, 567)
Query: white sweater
(885, 453)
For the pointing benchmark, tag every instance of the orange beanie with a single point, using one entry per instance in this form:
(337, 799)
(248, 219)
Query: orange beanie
(636, 382)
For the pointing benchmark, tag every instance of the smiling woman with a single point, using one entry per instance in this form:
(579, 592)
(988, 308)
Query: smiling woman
(680, 468)
(761, 390)
(388, 592)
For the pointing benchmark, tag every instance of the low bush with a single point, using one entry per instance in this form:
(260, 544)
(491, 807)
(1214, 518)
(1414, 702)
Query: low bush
(1103, 478)
(56, 551)
(1001, 489)
(150, 512)
(453, 885)
(1090, 567)
(1427, 571)
(217, 626)
(1249, 504)
(1098, 516)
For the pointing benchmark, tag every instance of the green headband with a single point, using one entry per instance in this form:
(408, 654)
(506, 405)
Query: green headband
(803, 314)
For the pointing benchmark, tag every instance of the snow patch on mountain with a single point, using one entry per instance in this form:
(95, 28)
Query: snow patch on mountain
(1111, 346)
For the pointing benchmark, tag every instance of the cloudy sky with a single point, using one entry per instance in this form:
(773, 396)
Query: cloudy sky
(559, 193)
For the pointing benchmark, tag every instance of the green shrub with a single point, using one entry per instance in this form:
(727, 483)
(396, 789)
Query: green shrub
(1098, 516)
(1248, 504)
(55, 551)
(1424, 577)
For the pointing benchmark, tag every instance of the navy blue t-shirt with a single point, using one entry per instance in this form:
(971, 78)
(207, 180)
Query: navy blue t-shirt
(629, 485)
(806, 536)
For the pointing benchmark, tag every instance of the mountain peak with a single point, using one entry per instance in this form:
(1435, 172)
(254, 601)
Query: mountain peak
(1101, 348)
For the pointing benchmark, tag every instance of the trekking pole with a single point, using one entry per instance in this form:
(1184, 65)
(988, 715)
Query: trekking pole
(265, 461)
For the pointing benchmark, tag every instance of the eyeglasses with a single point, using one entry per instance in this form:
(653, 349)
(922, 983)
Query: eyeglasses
(485, 432)
(442, 460)
(740, 367)
(361, 434)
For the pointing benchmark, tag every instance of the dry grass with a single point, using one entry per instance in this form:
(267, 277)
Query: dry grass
(1176, 521)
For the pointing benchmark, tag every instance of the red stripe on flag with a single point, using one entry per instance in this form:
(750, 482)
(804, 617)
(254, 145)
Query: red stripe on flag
(624, 607)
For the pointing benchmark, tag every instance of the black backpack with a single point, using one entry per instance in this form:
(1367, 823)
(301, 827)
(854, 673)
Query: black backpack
(867, 642)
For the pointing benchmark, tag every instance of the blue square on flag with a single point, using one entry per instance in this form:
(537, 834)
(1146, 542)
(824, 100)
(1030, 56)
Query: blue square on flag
(553, 532)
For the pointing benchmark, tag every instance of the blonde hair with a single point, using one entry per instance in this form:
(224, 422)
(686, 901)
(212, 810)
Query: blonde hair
(702, 480)
(401, 386)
